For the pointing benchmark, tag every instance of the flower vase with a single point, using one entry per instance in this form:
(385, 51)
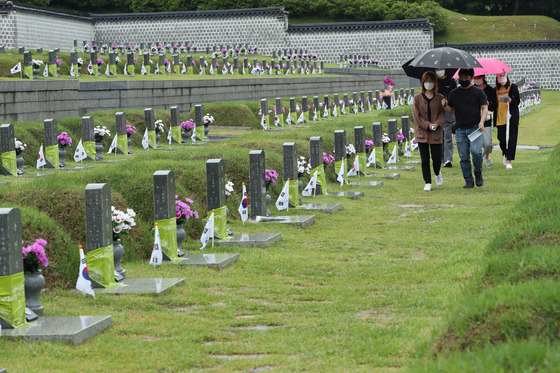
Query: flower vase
(157, 140)
(61, 157)
(118, 252)
(35, 73)
(98, 151)
(300, 188)
(99, 69)
(58, 72)
(181, 234)
(129, 144)
(186, 136)
(34, 282)
(206, 130)
(387, 101)
(268, 199)
(400, 149)
(19, 162)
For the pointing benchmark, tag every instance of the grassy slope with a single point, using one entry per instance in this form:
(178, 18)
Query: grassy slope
(357, 291)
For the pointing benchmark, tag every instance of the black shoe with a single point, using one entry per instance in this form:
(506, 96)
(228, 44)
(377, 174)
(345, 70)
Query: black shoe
(448, 164)
(469, 183)
(478, 178)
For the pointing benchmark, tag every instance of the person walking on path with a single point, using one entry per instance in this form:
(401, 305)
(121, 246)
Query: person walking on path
(508, 97)
(470, 106)
(445, 85)
(429, 117)
(480, 82)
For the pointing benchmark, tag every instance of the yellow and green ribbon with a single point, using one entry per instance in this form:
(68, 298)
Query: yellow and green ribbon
(53, 70)
(89, 147)
(9, 162)
(220, 223)
(199, 132)
(152, 139)
(176, 134)
(321, 179)
(28, 72)
(95, 69)
(177, 69)
(51, 155)
(293, 193)
(168, 237)
(379, 156)
(122, 143)
(363, 161)
(12, 300)
(101, 267)
(130, 69)
(337, 165)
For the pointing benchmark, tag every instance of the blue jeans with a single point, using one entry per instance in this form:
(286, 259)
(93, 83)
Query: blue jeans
(465, 146)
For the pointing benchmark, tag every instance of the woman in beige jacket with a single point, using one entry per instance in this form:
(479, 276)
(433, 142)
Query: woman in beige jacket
(428, 121)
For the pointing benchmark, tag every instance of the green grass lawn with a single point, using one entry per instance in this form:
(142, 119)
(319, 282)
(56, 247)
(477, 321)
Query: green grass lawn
(366, 289)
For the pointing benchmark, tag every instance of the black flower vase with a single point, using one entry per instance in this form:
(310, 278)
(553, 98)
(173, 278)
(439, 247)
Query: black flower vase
(186, 135)
(206, 130)
(118, 252)
(129, 143)
(62, 157)
(181, 235)
(157, 140)
(19, 162)
(98, 151)
(34, 282)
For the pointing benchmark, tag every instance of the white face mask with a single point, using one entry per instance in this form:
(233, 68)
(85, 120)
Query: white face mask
(440, 73)
(503, 79)
(478, 81)
(429, 86)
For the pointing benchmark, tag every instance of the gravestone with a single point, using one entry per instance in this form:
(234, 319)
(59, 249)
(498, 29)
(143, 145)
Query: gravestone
(339, 146)
(176, 132)
(346, 101)
(291, 172)
(322, 67)
(370, 98)
(74, 58)
(393, 131)
(264, 65)
(264, 107)
(113, 64)
(402, 92)
(216, 196)
(147, 63)
(21, 50)
(8, 150)
(74, 329)
(50, 146)
(363, 97)
(360, 146)
(280, 111)
(316, 155)
(405, 126)
(94, 63)
(336, 99)
(27, 65)
(39, 50)
(316, 107)
(164, 213)
(377, 96)
(2, 49)
(257, 183)
(176, 64)
(245, 62)
(12, 314)
(201, 64)
(412, 91)
(355, 107)
(122, 138)
(189, 65)
(130, 63)
(378, 144)
(201, 130)
(149, 122)
(274, 55)
(255, 62)
(288, 65)
(305, 108)
(162, 69)
(88, 138)
(99, 237)
(326, 102)
(293, 110)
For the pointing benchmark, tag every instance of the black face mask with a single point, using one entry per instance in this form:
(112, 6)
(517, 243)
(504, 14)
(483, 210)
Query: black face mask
(465, 83)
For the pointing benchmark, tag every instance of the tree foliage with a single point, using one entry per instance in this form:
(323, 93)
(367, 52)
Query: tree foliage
(549, 8)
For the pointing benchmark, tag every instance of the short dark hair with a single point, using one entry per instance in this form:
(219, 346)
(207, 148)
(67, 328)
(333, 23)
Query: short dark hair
(469, 72)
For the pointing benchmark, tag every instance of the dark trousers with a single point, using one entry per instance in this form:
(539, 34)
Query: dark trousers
(425, 150)
(512, 143)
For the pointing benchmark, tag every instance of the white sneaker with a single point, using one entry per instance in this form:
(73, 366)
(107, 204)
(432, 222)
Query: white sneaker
(439, 180)
(508, 166)
(489, 162)
(505, 161)
(428, 187)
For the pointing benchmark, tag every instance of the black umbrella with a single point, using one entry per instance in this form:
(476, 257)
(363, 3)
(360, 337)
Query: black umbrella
(445, 58)
(417, 72)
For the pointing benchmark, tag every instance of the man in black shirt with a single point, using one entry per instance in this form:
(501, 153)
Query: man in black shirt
(470, 106)
(445, 85)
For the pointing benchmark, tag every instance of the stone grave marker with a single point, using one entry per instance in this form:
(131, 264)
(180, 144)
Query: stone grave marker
(164, 213)
(88, 138)
(393, 131)
(405, 127)
(363, 104)
(2, 49)
(50, 145)
(346, 100)
(305, 108)
(149, 122)
(176, 132)
(264, 108)
(355, 107)
(130, 64)
(316, 155)
(21, 50)
(280, 111)
(122, 138)
(112, 64)
(360, 145)
(99, 237)
(316, 109)
(75, 329)
(326, 102)
(377, 97)
(162, 67)
(412, 91)
(291, 171)
(8, 150)
(147, 64)
(293, 110)
(370, 100)
(94, 63)
(39, 50)
(201, 130)
(216, 196)
(378, 144)
(27, 65)
(176, 64)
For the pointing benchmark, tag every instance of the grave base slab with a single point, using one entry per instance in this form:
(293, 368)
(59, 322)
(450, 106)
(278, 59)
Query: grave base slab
(324, 207)
(251, 239)
(352, 195)
(373, 184)
(301, 221)
(217, 261)
(143, 285)
(401, 168)
(71, 329)
(391, 175)
(77, 168)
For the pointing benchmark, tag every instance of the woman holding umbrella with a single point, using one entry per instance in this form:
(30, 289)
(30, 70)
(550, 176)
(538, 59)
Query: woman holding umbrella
(506, 117)
(428, 121)
(480, 82)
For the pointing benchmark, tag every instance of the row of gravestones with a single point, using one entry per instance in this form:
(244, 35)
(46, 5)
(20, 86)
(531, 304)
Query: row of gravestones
(93, 151)
(278, 117)
(99, 238)
(28, 71)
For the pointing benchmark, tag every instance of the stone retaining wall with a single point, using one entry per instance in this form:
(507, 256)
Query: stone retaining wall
(40, 100)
